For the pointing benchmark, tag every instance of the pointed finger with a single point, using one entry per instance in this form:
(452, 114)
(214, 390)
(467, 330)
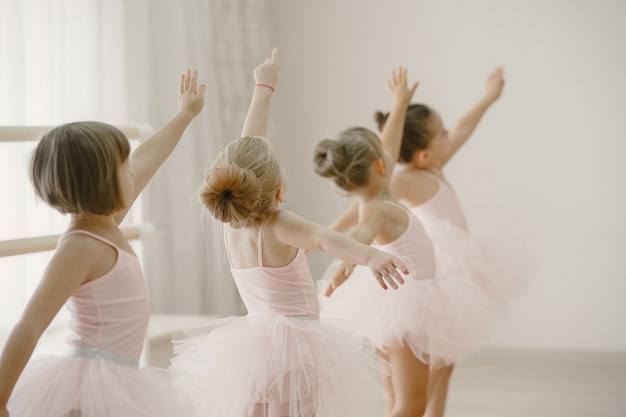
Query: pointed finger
(274, 57)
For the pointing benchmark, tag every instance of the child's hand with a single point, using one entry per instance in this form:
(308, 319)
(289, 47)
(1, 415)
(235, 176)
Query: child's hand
(402, 94)
(494, 85)
(191, 97)
(267, 72)
(343, 273)
(385, 267)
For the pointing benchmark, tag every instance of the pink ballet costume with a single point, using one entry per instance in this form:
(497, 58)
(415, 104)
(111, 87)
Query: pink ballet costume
(279, 359)
(498, 269)
(100, 375)
(440, 319)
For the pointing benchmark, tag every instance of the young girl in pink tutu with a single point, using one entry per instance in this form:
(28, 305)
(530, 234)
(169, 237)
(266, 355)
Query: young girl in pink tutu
(431, 321)
(279, 360)
(86, 169)
(425, 149)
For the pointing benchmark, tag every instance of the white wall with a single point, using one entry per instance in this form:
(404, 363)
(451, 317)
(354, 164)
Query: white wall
(545, 167)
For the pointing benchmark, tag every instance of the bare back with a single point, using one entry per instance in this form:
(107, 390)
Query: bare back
(242, 244)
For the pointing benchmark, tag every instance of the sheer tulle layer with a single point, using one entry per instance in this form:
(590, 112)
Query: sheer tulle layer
(66, 386)
(501, 270)
(277, 366)
(441, 320)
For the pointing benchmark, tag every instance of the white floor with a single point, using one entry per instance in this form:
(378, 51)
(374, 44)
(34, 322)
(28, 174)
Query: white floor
(539, 384)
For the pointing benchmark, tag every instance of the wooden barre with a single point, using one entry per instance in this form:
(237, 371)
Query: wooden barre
(46, 243)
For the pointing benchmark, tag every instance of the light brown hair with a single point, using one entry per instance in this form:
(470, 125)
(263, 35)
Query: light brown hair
(74, 168)
(347, 159)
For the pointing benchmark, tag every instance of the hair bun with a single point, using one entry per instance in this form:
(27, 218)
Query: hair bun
(381, 119)
(329, 158)
(231, 194)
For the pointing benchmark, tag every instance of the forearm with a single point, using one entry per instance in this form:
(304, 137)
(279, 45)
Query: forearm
(391, 136)
(347, 220)
(346, 248)
(16, 353)
(257, 118)
(466, 125)
(152, 152)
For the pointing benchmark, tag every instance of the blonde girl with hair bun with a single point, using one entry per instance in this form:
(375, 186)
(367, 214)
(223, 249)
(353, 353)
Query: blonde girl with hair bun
(279, 360)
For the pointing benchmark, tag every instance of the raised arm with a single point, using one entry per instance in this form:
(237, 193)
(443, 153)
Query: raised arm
(391, 136)
(465, 126)
(152, 152)
(265, 78)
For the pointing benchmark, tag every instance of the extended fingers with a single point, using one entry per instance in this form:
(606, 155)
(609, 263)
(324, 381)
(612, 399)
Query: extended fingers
(391, 275)
(497, 74)
(194, 81)
(274, 57)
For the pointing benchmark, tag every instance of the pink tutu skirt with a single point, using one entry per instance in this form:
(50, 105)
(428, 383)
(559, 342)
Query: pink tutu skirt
(280, 366)
(72, 386)
(440, 320)
(500, 270)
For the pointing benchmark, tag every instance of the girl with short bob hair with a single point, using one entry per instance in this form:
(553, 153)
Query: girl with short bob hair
(86, 170)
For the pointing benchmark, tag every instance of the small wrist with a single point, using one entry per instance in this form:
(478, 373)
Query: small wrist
(271, 87)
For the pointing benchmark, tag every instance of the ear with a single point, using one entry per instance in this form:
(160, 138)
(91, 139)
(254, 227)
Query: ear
(379, 165)
(421, 158)
(279, 195)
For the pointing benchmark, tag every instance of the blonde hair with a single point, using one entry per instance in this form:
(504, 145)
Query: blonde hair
(347, 159)
(240, 188)
(74, 168)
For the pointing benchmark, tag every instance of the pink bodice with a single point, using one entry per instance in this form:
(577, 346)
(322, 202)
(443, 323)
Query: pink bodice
(413, 247)
(444, 205)
(277, 291)
(111, 312)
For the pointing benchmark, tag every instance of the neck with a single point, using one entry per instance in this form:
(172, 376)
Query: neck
(374, 193)
(87, 221)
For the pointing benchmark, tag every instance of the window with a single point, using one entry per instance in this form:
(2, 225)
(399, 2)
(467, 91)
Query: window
(29, 228)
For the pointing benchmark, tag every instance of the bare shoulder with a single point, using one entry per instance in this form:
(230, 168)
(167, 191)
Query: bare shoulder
(87, 256)
(414, 186)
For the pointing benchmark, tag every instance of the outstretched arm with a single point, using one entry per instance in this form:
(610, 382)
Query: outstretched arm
(72, 261)
(464, 128)
(152, 152)
(370, 222)
(265, 77)
(391, 136)
(298, 232)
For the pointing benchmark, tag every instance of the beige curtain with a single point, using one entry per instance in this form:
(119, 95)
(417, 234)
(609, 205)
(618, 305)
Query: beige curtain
(119, 61)
(225, 40)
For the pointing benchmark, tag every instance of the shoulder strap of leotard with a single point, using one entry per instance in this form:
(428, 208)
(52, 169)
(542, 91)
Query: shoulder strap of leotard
(93, 235)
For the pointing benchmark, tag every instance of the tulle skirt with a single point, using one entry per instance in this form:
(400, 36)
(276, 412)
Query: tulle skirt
(501, 270)
(440, 320)
(71, 386)
(280, 366)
